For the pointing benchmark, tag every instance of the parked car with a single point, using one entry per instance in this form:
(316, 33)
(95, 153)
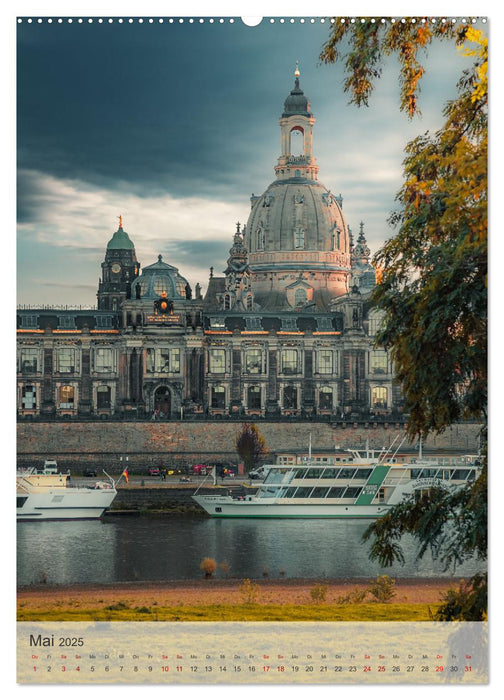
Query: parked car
(201, 469)
(153, 471)
(260, 473)
(89, 472)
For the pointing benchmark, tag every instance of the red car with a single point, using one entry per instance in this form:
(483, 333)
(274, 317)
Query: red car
(153, 471)
(200, 469)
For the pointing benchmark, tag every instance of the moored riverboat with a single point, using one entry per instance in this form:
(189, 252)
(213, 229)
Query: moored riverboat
(365, 486)
(52, 496)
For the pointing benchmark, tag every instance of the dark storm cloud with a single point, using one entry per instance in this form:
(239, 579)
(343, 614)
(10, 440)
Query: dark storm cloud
(159, 107)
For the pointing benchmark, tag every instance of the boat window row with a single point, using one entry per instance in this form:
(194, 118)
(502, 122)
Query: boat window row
(277, 476)
(312, 492)
(446, 474)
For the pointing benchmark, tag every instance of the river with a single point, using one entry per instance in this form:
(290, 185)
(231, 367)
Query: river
(153, 549)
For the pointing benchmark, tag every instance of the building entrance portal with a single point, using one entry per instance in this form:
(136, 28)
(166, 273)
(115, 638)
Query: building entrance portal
(162, 402)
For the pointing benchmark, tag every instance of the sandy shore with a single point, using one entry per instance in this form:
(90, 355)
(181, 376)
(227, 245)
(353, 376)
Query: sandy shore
(206, 592)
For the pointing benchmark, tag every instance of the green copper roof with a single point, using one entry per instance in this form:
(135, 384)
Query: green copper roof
(120, 241)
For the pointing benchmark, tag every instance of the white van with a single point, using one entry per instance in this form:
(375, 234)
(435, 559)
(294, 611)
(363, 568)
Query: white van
(50, 466)
(260, 472)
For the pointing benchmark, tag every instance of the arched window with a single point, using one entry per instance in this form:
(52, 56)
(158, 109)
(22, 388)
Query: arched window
(297, 173)
(260, 238)
(296, 141)
(218, 397)
(325, 398)
(66, 397)
(379, 397)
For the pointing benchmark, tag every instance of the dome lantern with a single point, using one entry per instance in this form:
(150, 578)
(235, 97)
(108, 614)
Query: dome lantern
(297, 226)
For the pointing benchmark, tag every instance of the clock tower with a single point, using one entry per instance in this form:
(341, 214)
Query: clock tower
(119, 269)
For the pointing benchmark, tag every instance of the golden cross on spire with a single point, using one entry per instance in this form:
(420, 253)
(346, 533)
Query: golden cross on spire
(296, 72)
(120, 220)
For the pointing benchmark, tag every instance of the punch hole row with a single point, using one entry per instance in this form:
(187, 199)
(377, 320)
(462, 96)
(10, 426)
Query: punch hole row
(231, 20)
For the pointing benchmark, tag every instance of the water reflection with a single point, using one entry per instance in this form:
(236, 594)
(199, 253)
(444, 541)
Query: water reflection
(129, 549)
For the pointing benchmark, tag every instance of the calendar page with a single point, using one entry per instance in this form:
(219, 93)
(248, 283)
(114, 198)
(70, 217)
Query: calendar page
(251, 350)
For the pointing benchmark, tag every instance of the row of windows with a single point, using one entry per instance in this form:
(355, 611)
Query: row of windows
(66, 360)
(167, 359)
(254, 323)
(65, 397)
(313, 492)
(326, 361)
(291, 398)
(66, 322)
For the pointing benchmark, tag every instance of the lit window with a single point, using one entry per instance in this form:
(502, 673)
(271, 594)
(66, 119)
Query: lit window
(66, 397)
(379, 397)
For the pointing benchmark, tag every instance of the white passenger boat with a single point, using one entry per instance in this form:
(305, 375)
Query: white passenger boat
(364, 486)
(49, 496)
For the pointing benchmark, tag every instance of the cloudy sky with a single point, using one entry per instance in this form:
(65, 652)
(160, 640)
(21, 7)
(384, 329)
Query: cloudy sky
(174, 126)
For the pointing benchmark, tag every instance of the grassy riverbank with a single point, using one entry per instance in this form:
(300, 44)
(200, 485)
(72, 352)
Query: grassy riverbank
(234, 600)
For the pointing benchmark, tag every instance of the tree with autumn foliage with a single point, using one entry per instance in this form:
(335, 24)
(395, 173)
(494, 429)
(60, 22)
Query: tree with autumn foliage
(433, 280)
(250, 445)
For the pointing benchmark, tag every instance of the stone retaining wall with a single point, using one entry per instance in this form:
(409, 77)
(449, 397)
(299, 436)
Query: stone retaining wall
(181, 443)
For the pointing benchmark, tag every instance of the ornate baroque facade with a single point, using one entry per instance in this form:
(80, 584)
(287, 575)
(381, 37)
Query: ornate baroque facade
(287, 331)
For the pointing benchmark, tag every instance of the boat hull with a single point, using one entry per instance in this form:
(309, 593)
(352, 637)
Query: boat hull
(225, 507)
(64, 504)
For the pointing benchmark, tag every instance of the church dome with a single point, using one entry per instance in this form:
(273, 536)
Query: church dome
(160, 278)
(296, 234)
(120, 240)
(296, 214)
